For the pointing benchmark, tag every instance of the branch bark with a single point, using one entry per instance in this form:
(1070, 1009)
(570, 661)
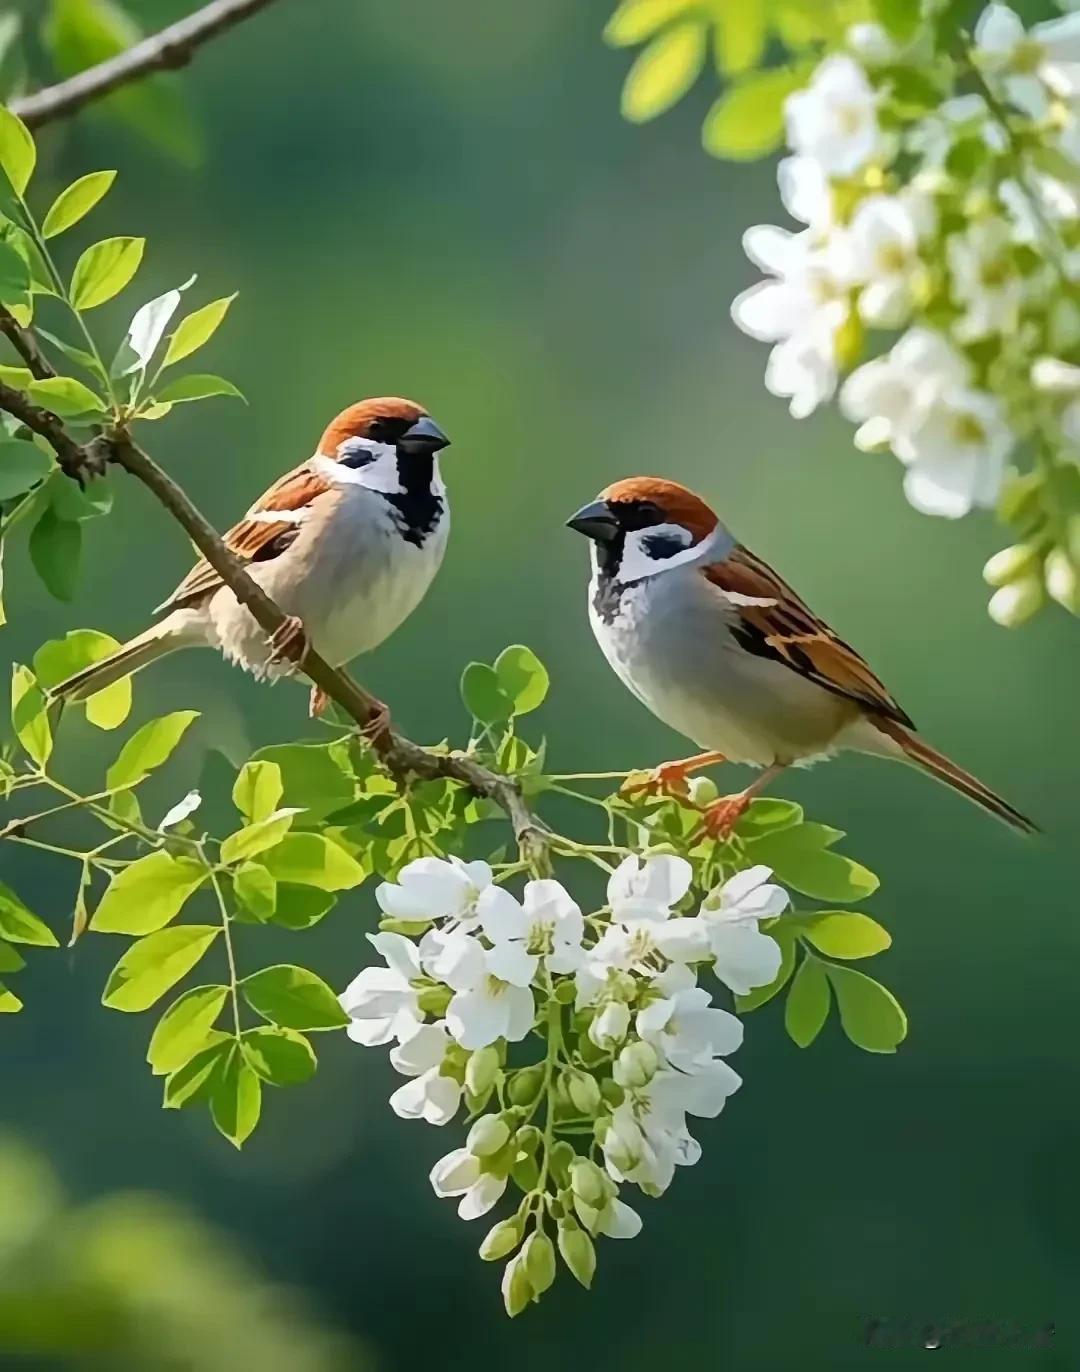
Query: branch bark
(173, 47)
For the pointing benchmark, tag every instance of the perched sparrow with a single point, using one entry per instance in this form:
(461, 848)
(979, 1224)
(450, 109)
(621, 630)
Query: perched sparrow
(346, 544)
(717, 646)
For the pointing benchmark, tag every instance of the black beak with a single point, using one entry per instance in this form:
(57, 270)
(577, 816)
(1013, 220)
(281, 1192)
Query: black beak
(425, 434)
(595, 521)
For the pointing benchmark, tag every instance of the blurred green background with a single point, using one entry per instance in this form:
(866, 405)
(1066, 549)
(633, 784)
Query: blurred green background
(442, 201)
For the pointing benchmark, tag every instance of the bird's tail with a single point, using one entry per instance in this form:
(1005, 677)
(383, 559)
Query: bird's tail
(914, 750)
(177, 630)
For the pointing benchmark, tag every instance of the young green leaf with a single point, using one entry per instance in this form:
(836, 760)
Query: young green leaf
(483, 695)
(196, 387)
(60, 658)
(765, 814)
(77, 355)
(236, 1101)
(664, 71)
(148, 894)
(315, 776)
(155, 963)
(29, 717)
(257, 837)
(184, 1029)
(299, 907)
(104, 270)
(636, 20)
(280, 1056)
(196, 1079)
(75, 505)
(800, 857)
(741, 34)
(748, 120)
(17, 152)
(523, 677)
(293, 998)
(871, 1015)
(196, 329)
(808, 1002)
(313, 860)
(66, 396)
(10, 1003)
(256, 890)
(19, 924)
(14, 276)
(10, 960)
(56, 551)
(148, 748)
(22, 466)
(845, 935)
(78, 200)
(258, 789)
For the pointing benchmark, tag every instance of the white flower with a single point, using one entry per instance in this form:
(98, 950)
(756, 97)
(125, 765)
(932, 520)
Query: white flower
(805, 192)
(435, 888)
(430, 1096)
(744, 956)
(884, 245)
(1034, 66)
(492, 994)
(985, 280)
(800, 310)
(647, 888)
(871, 45)
(956, 453)
(460, 1174)
(611, 1025)
(547, 924)
(615, 1220)
(834, 120)
(683, 1026)
(381, 1002)
(180, 811)
(888, 394)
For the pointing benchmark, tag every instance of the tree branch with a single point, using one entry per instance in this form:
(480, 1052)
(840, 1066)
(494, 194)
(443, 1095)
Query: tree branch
(172, 47)
(399, 754)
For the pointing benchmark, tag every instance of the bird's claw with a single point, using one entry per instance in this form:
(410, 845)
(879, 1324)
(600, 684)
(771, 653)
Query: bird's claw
(720, 818)
(669, 779)
(317, 702)
(290, 642)
(378, 726)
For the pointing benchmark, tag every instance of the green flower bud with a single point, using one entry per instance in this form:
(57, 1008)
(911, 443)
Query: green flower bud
(433, 1000)
(517, 1290)
(566, 993)
(487, 1136)
(1062, 581)
(411, 928)
(587, 1181)
(583, 1092)
(476, 1104)
(612, 1092)
(525, 1085)
(500, 1240)
(526, 1173)
(703, 790)
(1009, 564)
(481, 1070)
(1072, 538)
(1014, 604)
(528, 1138)
(539, 1258)
(636, 1064)
(577, 1252)
(560, 1161)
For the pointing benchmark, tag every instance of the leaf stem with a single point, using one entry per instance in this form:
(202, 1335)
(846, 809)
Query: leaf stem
(230, 952)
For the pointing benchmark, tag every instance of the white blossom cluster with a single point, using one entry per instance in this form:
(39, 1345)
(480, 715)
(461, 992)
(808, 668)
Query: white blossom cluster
(940, 194)
(632, 1047)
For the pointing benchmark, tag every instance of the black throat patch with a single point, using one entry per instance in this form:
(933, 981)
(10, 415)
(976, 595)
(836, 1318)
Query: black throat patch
(608, 586)
(417, 506)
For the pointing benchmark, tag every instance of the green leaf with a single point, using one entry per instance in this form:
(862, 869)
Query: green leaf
(104, 270)
(844, 934)
(800, 858)
(483, 696)
(766, 814)
(256, 890)
(10, 1003)
(195, 387)
(664, 71)
(258, 789)
(871, 1015)
(29, 718)
(78, 355)
(61, 657)
(22, 465)
(66, 396)
(148, 748)
(899, 18)
(741, 33)
(313, 860)
(184, 1029)
(784, 935)
(155, 963)
(196, 329)
(14, 276)
(19, 924)
(748, 119)
(523, 677)
(196, 1079)
(75, 505)
(315, 777)
(236, 1102)
(148, 894)
(280, 1056)
(293, 998)
(17, 152)
(299, 907)
(78, 200)
(55, 551)
(10, 960)
(808, 1002)
(257, 837)
(636, 20)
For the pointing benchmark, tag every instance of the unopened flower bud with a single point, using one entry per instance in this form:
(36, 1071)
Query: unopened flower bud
(1062, 581)
(1053, 375)
(433, 1000)
(566, 992)
(481, 1070)
(500, 1240)
(528, 1138)
(1009, 564)
(871, 45)
(703, 790)
(612, 1092)
(609, 1027)
(1014, 604)
(577, 1252)
(487, 1136)
(517, 1291)
(539, 1258)
(525, 1172)
(525, 1085)
(636, 1065)
(560, 1161)
(587, 1181)
(583, 1092)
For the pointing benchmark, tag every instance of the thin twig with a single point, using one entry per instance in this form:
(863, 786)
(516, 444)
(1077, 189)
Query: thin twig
(26, 345)
(171, 48)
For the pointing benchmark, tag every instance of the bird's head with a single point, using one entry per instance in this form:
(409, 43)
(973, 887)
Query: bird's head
(646, 525)
(387, 444)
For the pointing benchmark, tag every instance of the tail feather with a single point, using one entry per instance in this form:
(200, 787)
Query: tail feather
(137, 653)
(943, 769)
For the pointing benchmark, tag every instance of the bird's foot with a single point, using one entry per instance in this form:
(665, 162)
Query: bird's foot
(317, 702)
(670, 778)
(720, 818)
(290, 642)
(377, 728)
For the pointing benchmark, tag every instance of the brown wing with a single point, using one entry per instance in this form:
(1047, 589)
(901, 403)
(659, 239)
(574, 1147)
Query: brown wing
(778, 625)
(254, 540)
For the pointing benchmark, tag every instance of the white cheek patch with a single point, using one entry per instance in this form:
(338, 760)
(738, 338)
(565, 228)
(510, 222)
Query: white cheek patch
(638, 563)
(277, 516)
(380, 474)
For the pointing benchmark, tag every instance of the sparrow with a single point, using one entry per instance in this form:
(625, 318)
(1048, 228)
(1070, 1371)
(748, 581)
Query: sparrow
(717, 646)
(347, 544)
